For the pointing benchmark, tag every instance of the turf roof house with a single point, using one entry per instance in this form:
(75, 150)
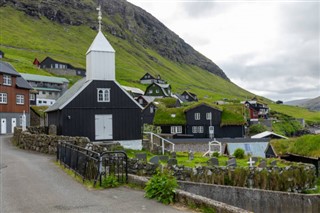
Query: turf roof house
(195, 120)
(97, 106)
(188, 96)
(51, 64)
(156, 89)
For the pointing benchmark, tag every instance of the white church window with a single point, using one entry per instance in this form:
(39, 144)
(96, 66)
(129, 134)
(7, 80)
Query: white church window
(103, 95)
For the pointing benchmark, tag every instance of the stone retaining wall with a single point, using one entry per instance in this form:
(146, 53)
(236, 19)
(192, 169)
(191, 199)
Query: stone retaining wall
(42, 142)
(255, 200)
(295, 178)
(192, 199)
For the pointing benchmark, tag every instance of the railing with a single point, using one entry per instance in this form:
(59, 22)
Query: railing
(92, 165)
(163, 141)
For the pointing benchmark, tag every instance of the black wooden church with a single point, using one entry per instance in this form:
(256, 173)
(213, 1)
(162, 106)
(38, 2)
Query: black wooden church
(96, 106)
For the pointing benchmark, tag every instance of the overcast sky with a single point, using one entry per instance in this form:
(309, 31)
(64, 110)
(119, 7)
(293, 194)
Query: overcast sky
(270, 48)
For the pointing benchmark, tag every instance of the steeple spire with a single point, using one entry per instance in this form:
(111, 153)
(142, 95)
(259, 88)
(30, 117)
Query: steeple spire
(99, 17)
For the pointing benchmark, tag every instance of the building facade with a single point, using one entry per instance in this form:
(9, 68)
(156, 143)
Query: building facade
(14, 99)
(97, 106)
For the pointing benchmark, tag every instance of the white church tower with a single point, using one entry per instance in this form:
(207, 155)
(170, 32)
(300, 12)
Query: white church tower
(100, 57)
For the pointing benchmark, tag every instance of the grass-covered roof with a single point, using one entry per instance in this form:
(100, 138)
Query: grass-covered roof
(169, 116)
(166, 102)
(233, 114)
(307, 145)
(40, 110)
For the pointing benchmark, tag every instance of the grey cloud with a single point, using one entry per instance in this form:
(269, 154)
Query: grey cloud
(200, 8)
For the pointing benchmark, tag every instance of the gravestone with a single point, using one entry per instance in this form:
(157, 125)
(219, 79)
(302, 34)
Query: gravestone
(154, 160)
(190, 155)
(273, 163)
(255, 159)
(263, 164)
(232, 162)
(141, 156)
(213, 162)
(172, 161)
(173, 154)
(164, 158)
(251, 162)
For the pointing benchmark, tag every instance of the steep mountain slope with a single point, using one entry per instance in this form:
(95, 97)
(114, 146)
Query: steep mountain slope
(124, 21)
(29, 29)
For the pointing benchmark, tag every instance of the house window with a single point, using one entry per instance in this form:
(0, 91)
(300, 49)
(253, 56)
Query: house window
(151, 109)
(150, 91)
(20, 99)
(176, 129)
(197, 129)
(3, 98)
(157, 91)
(103, 95)
(32, 97)
(209, 115)
(187, 97)
(197, 116)
(7, 80)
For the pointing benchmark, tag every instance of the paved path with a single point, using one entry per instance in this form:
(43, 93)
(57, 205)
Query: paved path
(31, 182)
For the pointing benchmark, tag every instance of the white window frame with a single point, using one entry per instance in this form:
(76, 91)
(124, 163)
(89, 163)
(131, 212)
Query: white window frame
(209, 116)
(140, 101)
(150, 91)
(151, 109)
(197, 129)
(20, 99)
(32, 97)
(157, 91)
(7, 80)
(3, 98)
(105, 95)
(176, 129)
(197, 116)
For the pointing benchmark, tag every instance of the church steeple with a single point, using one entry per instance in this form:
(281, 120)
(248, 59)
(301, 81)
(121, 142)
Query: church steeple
(100, 57)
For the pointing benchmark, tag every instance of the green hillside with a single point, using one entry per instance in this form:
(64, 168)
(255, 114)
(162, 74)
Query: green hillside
(24, 37)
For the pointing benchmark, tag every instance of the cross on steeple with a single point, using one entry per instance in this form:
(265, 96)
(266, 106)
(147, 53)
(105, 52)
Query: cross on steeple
(99, 17)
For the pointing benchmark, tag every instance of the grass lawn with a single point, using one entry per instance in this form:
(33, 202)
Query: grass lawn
(199, 160)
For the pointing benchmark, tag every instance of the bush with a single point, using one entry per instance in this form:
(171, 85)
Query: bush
(257, 128)
(110, 182)
(215, 154)
(162, 187)
(239, 153)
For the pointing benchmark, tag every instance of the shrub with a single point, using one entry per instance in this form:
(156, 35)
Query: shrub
(110, 182)
(257, 128)
(215, 154)
(239, 153)
(161, 186)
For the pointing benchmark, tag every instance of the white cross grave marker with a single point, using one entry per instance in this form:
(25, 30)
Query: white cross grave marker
(250, 162)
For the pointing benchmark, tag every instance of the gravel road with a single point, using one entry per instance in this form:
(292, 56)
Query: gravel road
(31, 182)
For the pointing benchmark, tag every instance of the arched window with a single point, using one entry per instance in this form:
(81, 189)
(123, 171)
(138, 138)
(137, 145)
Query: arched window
(103, 95)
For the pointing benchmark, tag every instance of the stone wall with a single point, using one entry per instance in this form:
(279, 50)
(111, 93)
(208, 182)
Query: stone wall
(190, 199)
(255, 200)
(295, 178)
(41, 142)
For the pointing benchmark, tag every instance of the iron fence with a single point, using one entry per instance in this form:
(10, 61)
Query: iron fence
(91, 165)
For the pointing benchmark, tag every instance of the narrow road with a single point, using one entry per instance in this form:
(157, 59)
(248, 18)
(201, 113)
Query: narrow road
(31, 182)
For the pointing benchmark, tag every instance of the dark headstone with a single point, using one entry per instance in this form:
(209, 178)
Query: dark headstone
(173, 154)
(190, 155)
(154, 160)
(273, 163)
(172, 161)
(263, 164)
(213, 162)
(164, 158)
(141, 156)
(232, 162)
(255, 159)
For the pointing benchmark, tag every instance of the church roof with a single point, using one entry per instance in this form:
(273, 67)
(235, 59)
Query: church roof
(100, 44)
